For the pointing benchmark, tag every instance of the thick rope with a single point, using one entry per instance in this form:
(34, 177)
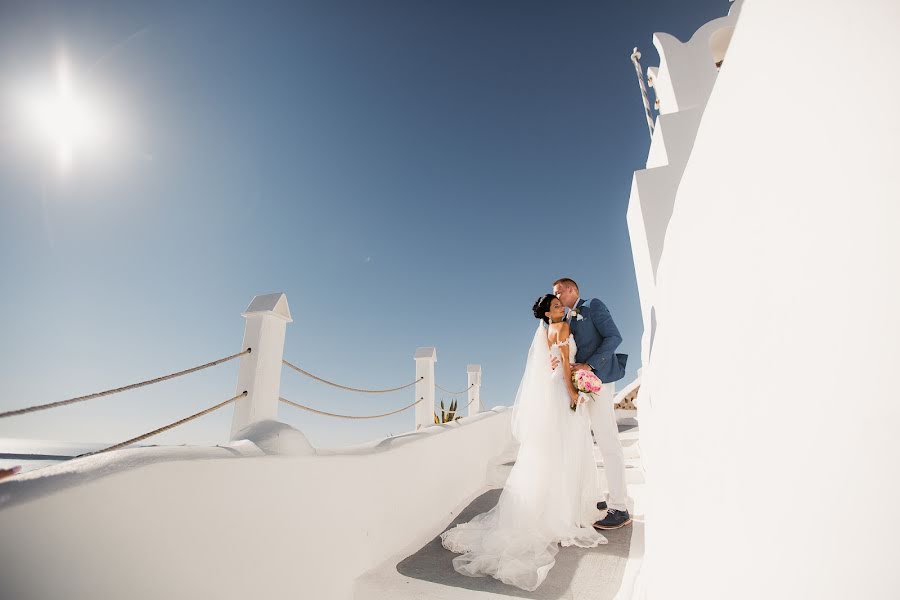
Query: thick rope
(168, 427)
(30, 409)
(454, 393)
(467, 405)
(328, 414)
(344, 387)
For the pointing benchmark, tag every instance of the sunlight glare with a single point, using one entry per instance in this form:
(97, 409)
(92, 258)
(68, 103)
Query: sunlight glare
(65, 119)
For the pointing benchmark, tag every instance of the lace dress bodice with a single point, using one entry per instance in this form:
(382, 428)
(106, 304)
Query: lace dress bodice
(554, 349)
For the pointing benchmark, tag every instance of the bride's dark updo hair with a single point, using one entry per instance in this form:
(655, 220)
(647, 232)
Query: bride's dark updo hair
(543, 306)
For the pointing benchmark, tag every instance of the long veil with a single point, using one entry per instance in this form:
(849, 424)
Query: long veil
(534, 388)
(540, 507)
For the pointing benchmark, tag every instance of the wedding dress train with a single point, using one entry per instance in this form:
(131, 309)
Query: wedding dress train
(551, 493)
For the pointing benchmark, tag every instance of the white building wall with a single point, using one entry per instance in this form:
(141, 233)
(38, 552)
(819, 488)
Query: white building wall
(777, 290)
(682, 84)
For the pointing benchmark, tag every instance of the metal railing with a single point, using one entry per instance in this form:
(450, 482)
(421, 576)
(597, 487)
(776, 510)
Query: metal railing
(635, 59)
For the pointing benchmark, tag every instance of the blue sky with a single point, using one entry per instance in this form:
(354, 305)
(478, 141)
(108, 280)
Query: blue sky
(409, 173)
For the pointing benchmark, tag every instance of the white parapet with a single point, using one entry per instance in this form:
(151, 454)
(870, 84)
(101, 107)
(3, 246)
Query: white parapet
(474, 395)
(260, 371)
(264, 517)
(425, 359)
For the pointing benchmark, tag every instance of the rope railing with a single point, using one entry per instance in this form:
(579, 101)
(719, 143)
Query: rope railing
(328, 414)
(348, 388)
(169, 426)
(458, 409)
(30, 409)
(443, 389)
(467, 405)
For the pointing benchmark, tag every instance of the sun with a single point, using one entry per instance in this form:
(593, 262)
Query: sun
(65, 119)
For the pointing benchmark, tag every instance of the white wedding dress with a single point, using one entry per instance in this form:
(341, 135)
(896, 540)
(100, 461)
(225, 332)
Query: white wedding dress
(551, 494)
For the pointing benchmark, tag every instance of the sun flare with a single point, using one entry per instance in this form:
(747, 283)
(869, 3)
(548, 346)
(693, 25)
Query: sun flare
(65, 118)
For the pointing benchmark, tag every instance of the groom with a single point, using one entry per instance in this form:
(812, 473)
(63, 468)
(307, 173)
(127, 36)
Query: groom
(597, 338)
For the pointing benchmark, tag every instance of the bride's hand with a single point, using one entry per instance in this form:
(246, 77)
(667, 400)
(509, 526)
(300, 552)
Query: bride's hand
(574, 398)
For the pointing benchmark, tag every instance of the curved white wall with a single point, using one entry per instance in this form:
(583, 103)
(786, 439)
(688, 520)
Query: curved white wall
(778, 288)
(682, 84)
(225, 526)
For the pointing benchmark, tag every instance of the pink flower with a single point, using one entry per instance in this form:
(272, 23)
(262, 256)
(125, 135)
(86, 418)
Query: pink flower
(585, 381)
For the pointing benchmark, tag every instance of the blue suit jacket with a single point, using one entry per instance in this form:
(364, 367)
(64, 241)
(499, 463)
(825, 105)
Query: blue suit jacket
(597, 338)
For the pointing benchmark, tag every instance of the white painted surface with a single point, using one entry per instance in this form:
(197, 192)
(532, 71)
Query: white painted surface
(274, 437)
(780, 264)
(260, 371)
(682, 84)
(425, 359)
(474, 396)
(687, 70)
(233, 522)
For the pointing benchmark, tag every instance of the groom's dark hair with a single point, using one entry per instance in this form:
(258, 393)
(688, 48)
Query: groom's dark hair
(565, 281)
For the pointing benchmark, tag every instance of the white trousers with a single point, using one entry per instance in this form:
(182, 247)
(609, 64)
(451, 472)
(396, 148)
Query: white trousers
(606, 434)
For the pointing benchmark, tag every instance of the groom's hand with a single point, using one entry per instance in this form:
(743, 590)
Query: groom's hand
(554, 362)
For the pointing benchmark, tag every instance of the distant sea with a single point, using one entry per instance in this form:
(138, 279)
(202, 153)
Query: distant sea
(36, 454)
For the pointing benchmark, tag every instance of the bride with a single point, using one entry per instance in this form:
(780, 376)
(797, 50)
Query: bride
(551, 494)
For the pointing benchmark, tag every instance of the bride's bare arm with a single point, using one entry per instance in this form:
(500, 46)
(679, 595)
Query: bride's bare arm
(567, 368)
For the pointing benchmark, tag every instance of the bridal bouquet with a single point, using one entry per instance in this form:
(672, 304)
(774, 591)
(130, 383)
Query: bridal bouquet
(585, 382)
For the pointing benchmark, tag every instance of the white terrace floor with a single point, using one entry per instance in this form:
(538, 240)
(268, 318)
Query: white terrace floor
(604, 573)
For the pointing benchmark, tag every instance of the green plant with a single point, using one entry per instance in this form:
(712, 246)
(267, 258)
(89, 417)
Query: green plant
(446, 415)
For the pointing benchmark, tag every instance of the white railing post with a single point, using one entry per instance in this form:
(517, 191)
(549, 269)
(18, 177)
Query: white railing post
(260, 371)
(474, 399)
(425, 359)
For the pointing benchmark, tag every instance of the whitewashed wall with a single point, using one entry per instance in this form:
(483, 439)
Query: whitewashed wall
(682, 84)
(777, 290)
(225, 526)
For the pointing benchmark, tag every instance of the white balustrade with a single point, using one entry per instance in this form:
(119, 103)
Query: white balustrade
(425, 359)
(474, 395)
(260, 371)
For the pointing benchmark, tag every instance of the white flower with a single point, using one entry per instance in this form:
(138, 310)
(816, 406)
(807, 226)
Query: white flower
(573, 312)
